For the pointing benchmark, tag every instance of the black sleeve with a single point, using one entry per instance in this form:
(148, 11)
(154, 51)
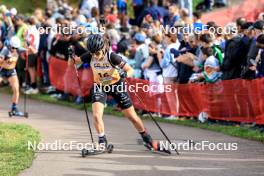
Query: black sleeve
(86, 58)
(117, 60)
(252, 53)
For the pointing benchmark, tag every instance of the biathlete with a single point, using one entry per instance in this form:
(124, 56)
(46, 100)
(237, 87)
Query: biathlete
(8, 60)
(106, 67)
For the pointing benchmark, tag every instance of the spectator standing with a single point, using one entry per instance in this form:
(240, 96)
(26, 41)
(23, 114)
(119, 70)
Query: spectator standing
(142, 53)
(32, 39)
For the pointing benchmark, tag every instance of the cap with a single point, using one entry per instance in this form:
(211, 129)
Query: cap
(258, 25)
(139, 37)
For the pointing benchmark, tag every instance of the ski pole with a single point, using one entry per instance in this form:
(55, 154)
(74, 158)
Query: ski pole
(26, 80)
(154, 120)
(71, 53)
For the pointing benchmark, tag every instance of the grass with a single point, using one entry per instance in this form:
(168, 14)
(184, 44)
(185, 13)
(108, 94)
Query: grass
(195, 3)
(14, 153)
(25, 6)
(231, 130)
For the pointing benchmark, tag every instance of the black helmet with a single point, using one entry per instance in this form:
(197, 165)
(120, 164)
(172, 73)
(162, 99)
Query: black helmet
(95, 43)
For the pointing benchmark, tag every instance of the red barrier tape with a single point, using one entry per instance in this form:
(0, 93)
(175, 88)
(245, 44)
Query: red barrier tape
(234, 100)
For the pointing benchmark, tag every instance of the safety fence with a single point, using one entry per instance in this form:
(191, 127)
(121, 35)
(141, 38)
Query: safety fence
(232, 100)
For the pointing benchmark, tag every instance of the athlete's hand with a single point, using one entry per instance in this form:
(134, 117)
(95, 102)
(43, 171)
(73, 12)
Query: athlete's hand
(74, 60)
(123, 74)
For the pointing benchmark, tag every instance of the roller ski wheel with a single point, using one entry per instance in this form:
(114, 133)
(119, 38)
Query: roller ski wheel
(155, 148)
(108, 149)
(17, 114)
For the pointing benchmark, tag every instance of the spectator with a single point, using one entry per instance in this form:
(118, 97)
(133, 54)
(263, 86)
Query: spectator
(174, 12)
(185, 71)
(197, 22)
(257, 30)
(142, 53)
(211, 72)
(86, 7)
(32, 39)
(260, 58)
(239, 23)
(207, 40)
(168, 65)
(232, 63)
(21, 33)
(188, 5)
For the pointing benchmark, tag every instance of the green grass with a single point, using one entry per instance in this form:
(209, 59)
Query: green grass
(231, 130)
(14, 153)
(195, 3)
(27, 7)
(24, 6)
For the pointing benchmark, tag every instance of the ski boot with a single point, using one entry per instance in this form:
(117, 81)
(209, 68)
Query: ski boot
(103, 147)
(16, 113)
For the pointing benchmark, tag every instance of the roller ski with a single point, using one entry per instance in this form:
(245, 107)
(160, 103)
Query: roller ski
(104, 147)
(16, 113)
(153, 145)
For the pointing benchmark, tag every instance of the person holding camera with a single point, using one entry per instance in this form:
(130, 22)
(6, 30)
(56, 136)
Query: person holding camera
(8, 61)
(110, 70)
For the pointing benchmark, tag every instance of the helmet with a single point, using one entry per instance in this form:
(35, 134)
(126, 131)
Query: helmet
(95, 43)
(15, 42)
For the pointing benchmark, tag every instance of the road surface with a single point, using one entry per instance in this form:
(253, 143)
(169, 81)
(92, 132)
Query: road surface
(58, 123)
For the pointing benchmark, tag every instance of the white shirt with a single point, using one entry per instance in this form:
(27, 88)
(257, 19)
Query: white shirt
(170, 70)
(33, 37)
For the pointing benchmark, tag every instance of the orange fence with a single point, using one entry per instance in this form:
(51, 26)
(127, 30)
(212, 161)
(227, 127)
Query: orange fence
(234, 100)
(249, 9)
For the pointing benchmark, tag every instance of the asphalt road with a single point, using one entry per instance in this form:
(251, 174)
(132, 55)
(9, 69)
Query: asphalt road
(62, 124)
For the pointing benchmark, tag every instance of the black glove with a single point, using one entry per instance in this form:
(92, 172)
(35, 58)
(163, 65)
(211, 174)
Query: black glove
(122, 74)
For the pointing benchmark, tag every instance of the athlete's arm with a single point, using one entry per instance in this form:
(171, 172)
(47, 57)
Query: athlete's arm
(75, 60)
(117, 61)
(127, 68)
(85, 58)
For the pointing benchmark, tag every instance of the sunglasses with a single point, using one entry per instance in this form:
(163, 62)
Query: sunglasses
(13, 48)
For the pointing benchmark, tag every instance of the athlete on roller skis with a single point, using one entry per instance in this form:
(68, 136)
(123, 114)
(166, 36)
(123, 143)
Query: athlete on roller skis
(109, 69)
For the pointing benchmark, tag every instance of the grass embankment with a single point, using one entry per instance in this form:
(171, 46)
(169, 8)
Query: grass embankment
(14, 153)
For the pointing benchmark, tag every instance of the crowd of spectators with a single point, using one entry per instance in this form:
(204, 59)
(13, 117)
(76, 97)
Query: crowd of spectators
(198, 52)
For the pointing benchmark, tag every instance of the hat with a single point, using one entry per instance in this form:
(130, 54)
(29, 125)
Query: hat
(140, 37)
(258, 25)
(13, 11)
(211, 62)
(246, 25)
